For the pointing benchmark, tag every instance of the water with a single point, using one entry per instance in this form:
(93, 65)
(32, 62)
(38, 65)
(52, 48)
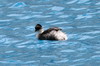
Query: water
(80, 19)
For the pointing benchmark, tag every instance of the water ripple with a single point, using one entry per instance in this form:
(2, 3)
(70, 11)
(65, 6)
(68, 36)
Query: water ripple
(71, 2)
(86, 37)
(5, 20)
(62, 61)
(96, 56)
(15, 15)
(18, 5)
(80, 60)
(68, 50)
(77, 9)
(78, 18)
(83, 16)
(57, 8)
(97, 3)
(51, 56)
(63, 16)
(41, 16)
(25, 17)
(83, 1)
(9, 51)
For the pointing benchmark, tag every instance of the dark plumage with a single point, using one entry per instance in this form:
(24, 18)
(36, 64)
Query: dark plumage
(44, 35)
(51, 29)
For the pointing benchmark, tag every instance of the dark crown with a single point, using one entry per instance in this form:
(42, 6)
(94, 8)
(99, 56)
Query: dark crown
(38, 27)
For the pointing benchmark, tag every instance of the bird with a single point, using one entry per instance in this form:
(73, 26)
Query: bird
(53, 33)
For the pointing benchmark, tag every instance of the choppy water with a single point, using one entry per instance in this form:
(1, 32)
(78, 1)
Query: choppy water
(80, 19)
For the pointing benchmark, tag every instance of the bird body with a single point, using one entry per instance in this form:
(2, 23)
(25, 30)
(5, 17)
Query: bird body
(54, 33)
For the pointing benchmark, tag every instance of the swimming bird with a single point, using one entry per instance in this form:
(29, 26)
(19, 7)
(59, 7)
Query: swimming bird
(53, 33)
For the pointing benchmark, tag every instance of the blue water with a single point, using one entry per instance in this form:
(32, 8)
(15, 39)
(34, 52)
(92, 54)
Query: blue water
(80, 19)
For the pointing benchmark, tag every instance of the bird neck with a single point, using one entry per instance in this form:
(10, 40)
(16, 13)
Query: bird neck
(41, 31)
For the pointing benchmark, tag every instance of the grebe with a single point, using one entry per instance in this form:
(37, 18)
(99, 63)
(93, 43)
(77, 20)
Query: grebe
(54, 33)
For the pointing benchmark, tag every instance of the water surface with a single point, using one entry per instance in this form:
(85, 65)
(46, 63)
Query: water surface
(80, 19)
